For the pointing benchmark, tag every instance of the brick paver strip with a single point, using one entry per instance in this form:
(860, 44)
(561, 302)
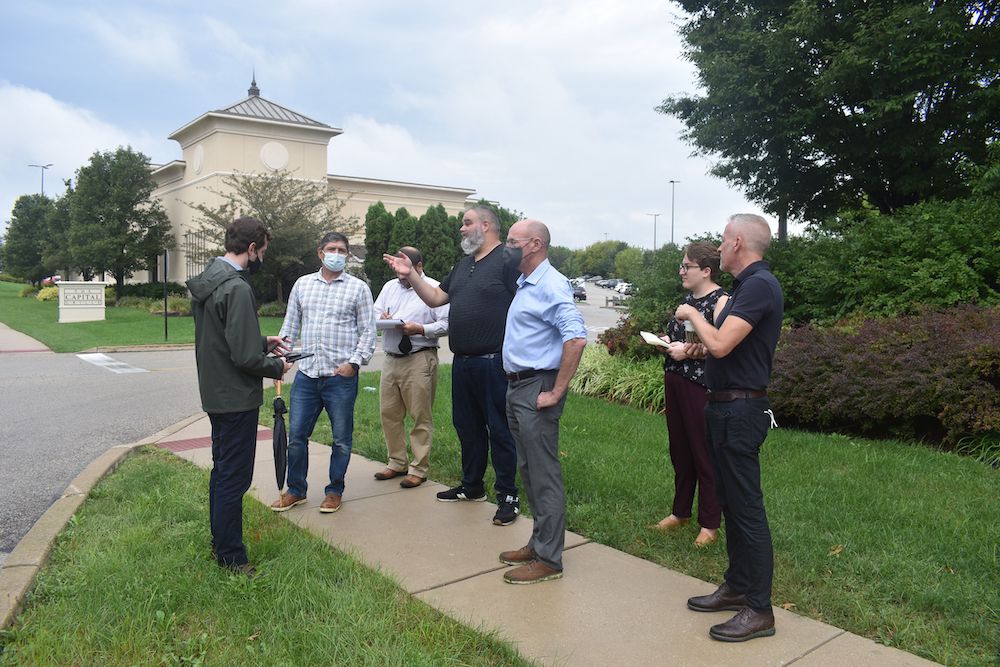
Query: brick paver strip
(206, 441)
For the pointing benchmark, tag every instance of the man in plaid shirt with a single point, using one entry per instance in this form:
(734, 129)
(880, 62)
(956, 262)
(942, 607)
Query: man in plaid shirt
(332, 313)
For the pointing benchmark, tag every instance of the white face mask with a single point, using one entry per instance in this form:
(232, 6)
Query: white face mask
(334, 261)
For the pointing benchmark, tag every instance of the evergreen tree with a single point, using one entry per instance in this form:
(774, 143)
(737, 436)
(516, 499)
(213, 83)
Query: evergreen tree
(437, 240)
(378, 228)
(404, 230)
(25, 240)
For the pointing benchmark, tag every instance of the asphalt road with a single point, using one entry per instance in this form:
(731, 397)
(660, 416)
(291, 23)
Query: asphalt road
(59, 412)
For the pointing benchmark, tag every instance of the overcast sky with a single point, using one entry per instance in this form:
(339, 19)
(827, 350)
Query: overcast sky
(546, 107)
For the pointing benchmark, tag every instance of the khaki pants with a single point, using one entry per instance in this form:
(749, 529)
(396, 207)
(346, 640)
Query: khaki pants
(408, 386)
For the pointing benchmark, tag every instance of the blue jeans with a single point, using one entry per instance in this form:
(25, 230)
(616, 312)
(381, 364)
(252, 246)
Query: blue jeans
(736, 431)
(309, 397)
(479, 414)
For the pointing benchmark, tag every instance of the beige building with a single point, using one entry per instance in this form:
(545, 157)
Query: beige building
(256, 135)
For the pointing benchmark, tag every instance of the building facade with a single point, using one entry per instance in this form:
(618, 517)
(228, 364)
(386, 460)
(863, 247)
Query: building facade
(254, 136)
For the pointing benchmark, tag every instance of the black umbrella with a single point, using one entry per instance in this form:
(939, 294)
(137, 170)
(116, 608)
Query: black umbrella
(280, 439)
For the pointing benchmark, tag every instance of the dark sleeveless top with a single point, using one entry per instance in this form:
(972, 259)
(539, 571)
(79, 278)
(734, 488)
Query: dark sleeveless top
(692, 369)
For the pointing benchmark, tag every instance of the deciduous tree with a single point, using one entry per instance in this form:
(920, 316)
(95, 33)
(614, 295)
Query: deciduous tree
(116, 225)
(812, 107)
(25, 240)
(297, 211)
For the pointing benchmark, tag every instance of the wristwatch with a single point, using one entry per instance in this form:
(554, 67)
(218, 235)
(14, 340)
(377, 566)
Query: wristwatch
(355, 367)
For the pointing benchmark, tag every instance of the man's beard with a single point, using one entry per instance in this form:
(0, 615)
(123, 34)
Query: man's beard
(473, 241)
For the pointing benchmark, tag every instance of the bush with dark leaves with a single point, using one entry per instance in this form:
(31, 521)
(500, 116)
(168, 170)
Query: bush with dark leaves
(934, 377)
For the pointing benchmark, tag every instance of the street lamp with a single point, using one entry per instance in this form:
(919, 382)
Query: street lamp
(673, 184)
(654, 216)
(43, 167)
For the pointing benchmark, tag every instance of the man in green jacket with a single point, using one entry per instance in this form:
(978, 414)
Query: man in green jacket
(232, 361)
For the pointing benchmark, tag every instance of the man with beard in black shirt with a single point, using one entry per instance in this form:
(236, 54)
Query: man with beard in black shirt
(479, 288)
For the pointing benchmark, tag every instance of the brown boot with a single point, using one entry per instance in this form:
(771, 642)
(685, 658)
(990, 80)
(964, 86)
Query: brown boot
(746, 624)
(330, 504)
(518, 556)
(286, 501)
(723, 599)
(532, 573)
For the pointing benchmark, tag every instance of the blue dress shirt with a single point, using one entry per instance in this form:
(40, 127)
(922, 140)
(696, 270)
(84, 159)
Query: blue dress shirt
(540, 319)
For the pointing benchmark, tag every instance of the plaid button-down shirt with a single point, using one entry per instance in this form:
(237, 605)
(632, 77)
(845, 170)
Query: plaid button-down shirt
(334, 320)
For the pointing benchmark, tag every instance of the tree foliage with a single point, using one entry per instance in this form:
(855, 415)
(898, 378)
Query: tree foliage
(812, 107)
(25, 239)
(116, 226)
(297, 211)
(378, 229)
(438, 241)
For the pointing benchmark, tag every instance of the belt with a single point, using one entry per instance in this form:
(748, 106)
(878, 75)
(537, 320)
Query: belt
(727, 395)
(491, 355)
(399, 355)
(524, 375)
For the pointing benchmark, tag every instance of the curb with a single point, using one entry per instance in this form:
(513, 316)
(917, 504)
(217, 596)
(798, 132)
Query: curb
(164, 347)
(18, 573)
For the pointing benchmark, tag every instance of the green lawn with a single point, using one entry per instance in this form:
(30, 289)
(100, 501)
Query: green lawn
(123, 326)
(131, 582)
(896, 542)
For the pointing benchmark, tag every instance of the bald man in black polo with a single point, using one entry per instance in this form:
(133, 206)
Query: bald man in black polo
(737, 417)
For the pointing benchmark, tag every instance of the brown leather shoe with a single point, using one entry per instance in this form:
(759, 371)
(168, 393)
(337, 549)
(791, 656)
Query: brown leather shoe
(389, 473)
(330, 504)
(518, 556)
(746, 624)
(286, 501)
(722, 599)
(532, 573)
(411, 482)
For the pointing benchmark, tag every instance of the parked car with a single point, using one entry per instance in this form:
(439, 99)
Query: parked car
(622, 286)
(610, 283)
(579, 293)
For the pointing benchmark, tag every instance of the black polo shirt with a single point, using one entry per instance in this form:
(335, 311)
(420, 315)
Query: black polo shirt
(757, 299)
(480, 294)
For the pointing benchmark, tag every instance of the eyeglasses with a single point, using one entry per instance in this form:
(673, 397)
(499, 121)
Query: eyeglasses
(684, 268)
(514, 243)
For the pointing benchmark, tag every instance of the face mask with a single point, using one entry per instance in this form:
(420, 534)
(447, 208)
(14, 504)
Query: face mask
(512, 255)
(334, 261)
(253, 266)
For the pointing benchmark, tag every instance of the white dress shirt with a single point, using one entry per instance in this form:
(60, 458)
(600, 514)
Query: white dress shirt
(402, 303)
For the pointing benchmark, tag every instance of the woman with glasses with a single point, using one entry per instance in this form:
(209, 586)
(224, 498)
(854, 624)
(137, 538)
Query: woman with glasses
(684, 390)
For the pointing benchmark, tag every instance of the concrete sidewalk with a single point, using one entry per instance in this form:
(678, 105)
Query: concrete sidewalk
(15, 341)
(609, 609)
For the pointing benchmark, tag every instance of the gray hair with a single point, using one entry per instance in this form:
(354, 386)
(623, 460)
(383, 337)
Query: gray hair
(754, 230)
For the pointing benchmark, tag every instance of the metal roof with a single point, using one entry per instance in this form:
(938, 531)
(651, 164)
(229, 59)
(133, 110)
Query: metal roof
(255, 106)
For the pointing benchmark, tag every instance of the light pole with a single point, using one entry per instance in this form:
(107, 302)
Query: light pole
(43, 167)
(673, 184)
(654, 216)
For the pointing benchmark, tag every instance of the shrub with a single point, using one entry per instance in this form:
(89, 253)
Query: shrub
(272, 309)
(933, 377)
(152, 290)
(618, 378)
(179, 305)
(28, 290)
(48, 294)
(138, 302)
(110, 298)
(7, 278)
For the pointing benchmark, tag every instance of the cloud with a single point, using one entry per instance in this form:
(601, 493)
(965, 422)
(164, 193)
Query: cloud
(40, 130)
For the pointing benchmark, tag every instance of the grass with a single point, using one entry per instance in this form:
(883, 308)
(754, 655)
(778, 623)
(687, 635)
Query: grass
(891, 541)
(131, 582)
(123, 326)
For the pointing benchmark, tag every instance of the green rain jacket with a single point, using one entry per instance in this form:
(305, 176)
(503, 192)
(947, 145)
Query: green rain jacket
(229, 348)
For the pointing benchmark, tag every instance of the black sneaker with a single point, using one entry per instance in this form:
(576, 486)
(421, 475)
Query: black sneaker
(508, 509)
(460, 493)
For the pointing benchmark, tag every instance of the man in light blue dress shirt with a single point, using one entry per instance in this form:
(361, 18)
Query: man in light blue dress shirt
(543, 342)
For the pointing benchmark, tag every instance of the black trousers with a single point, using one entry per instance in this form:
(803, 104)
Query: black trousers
(736, 431)
(234, 442)
(479, 414)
